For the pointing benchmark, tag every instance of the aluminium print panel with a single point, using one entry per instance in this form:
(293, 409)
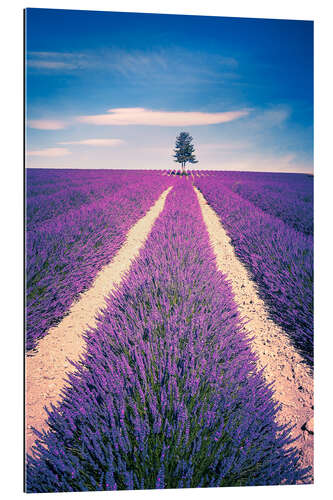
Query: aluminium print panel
(169, 251)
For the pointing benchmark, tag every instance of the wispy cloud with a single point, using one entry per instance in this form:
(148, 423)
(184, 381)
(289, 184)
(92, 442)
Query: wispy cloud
(47, 124)
(173, 63)
(58, 61)
(55, 65)
(269, 118)
(142, 116)
(49, 152)
(95, 142)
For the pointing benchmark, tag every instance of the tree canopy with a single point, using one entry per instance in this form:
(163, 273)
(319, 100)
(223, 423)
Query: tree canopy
(184, 150)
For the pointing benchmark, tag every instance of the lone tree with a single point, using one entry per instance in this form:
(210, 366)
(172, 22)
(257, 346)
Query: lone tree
(184, 150)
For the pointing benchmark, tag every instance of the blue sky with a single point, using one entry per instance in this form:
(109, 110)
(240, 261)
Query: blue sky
(112, 90)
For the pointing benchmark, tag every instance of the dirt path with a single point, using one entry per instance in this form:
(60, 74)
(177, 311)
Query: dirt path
(293, 383)
(45, 371)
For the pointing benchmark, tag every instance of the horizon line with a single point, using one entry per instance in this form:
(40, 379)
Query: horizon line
(170, 169)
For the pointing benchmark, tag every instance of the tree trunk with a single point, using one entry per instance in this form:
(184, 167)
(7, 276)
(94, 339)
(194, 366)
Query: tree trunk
(183, 168)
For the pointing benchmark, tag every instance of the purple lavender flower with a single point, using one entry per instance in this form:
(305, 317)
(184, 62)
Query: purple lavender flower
(169, 384)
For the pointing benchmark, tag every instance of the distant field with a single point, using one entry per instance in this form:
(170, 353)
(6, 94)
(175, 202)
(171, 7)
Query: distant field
(168, 393)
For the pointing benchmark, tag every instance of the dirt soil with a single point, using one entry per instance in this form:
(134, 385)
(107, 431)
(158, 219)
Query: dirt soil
(283, 366)
(45, 371)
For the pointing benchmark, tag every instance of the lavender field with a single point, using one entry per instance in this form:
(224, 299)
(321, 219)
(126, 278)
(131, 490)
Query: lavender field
(76, 221)
(270, 222)
(168, 392)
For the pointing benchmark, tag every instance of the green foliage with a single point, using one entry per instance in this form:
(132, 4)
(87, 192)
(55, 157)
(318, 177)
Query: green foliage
(184, 150)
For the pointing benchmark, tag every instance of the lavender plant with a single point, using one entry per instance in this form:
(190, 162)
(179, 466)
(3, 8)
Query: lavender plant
(286, 196)
(51, 193)
(167, 394)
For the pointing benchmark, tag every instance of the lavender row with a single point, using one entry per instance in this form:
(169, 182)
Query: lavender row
(286, 196)
(45, 179)
(70, 189)
(64, 254)
(279, 258)
(167, 394)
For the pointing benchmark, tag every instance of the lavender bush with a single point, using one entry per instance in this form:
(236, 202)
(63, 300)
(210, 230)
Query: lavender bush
(286, 196)
(65, 251)
(51, 193)
(167, 394)
(279, 258)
